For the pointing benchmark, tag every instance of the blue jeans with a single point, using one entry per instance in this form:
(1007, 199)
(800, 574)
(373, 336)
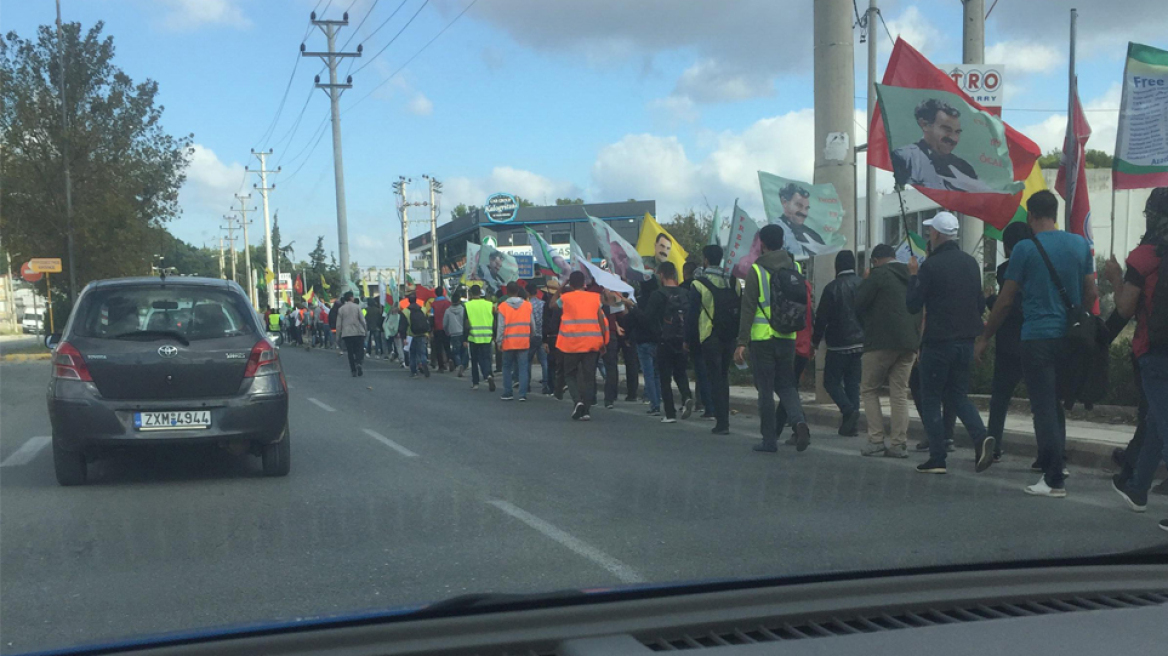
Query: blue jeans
(841, 379)
(515, 362)
(773, 364)
(945, 371)
(417, 353)
(1154, 373)
(1007, 375)
(458, 351)
(480, 361)
(647, 356)
(1041, 359)
(705, 393)
(374, 340)
(537, 354)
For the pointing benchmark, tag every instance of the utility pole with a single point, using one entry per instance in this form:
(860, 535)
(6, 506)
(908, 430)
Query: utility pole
(435, 188)
(230, 228)
(249, 275)
(835, 155)
(973, 52)
(871, 200)
(264, 189)
(65, 159)
(332, 59)
(222, 275)
(399, 188)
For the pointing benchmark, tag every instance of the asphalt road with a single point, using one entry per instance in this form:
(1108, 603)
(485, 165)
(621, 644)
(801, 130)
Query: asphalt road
(407, 491)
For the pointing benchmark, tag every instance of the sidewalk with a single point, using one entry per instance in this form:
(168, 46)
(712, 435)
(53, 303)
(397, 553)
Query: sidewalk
(1089, 444)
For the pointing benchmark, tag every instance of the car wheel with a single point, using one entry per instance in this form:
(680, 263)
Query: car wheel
(69, 466)
(277, 456)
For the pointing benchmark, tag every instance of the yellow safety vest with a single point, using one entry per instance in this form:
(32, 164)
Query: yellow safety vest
(480, 319)
(761, 328)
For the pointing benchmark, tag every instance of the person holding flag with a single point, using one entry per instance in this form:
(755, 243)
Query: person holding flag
(582, 337)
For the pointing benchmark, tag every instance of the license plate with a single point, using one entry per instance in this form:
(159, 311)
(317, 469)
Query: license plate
(172, 420)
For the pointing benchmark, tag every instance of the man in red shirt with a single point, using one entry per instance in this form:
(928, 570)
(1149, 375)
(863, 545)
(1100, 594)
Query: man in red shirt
(1136, 296)
(442, 359)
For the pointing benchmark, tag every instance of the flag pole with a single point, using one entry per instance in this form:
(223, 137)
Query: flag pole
(1071, 185)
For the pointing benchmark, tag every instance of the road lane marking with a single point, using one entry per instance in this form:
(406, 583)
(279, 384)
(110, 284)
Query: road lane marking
(390, 443)
(622, 571)
(323, 406)
(27, 451)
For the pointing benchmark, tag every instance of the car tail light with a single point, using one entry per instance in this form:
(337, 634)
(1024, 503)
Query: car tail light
(69, 364)
(263, 360)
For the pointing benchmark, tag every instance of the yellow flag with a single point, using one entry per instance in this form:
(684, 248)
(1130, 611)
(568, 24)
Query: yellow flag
(364, 289)
(308, 296)
(268, 275)
(656, 242)
(324, 285)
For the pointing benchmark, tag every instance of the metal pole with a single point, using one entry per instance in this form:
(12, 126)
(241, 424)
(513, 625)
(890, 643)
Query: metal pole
(249, 275)
(331, 59)
(872, 202)
(1072, 93)
(231, 238)
(65, 159)
(264, 188)
(835, 156)
(973, 52)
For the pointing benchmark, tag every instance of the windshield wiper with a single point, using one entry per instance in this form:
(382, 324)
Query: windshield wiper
(491, 601)
(173, 334)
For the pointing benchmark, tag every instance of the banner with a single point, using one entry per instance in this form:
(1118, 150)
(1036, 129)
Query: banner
(544, 255)
(810, 215)
(908, 68)
(490, 265)
(1141, 142)
(621, 255)
(939, 141)
(579, 260)
(470, 270)
(913, 245)
(657, 243)
(299, 285)
(744, 246)
(720, 229)
(1071, 183)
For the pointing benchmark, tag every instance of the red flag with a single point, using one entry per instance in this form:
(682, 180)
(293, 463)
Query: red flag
(909, 68)
(1071, 183)
(299, 286)
(423, 293)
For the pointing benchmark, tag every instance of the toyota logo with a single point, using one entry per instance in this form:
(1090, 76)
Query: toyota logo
(167, 351)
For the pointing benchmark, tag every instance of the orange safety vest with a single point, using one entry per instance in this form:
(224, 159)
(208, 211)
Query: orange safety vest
(580, 327)
(516, 326)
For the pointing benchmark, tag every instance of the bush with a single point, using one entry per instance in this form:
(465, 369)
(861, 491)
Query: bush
(1121, 377)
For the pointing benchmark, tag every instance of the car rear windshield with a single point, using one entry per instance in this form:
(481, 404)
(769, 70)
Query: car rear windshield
(195, 313)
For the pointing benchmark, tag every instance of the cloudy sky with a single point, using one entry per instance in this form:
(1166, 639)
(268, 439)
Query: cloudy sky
(679, 101)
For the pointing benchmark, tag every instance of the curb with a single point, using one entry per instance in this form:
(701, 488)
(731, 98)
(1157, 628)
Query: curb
(1079, 452)
(25, 357)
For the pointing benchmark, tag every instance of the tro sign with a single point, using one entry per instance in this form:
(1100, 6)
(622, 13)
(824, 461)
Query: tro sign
(981, 82)
(501, 208)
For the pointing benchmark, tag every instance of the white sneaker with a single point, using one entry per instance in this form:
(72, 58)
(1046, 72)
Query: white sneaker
(1041, 489)
(668, 420)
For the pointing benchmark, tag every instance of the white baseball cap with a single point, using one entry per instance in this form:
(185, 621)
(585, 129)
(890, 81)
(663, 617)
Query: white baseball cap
(944, 223)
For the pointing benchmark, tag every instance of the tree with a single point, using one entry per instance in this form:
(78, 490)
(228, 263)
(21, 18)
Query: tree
(569, 201)
(126, 170)
(460, 211)
(691, 231)
(1096, 159)
(523, 202)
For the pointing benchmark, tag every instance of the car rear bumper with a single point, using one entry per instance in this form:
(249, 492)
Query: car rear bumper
(82, 419)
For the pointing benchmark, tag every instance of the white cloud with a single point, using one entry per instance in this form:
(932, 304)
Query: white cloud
(183, 15)
(1102, 27)
(711, 81)
(210, 184)
(783, 145)
(914, 28)
(532, 186)
(673, 110)
(644, 166)
(1024, 56)
(420, 105)
(1049, 133)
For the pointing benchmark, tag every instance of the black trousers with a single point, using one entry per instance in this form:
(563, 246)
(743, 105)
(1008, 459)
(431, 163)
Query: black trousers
(1132, 453)
(717, 355)
(671, 361)
(441, 349)
(355, 348)
(580, 376)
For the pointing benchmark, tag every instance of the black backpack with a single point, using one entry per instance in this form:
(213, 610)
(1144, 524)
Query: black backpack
(727, 308)
(788, 301)
(673, 323)
(419, 324)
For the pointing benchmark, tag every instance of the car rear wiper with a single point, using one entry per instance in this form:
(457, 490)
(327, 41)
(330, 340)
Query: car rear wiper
(174, 334)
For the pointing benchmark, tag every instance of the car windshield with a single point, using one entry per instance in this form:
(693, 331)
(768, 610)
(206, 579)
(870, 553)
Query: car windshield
(191, 312)
(330, 308)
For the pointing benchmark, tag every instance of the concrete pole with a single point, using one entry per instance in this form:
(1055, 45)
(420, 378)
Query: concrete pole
(230, 228)
(871, 200)
(973, 52)
(835, 154)
(249, 275)
(264, 188)
(222, 274)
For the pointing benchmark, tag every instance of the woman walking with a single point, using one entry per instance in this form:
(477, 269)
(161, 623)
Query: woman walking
(351, 330)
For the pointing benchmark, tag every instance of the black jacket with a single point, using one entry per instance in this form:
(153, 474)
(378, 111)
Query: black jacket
(835, 319)
(333, 314)
(374, 316)
(1008, 339)
(948, 288)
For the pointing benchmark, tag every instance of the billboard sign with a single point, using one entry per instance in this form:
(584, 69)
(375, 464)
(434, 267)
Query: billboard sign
(526, 266)
(501, 208)
(982, 82)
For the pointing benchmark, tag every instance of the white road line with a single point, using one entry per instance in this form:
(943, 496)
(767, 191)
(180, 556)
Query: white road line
(390, 443)
(323, 406)
(622, 571)
(27, 451)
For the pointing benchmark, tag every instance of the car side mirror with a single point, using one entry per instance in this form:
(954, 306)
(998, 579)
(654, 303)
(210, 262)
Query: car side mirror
(51, 341)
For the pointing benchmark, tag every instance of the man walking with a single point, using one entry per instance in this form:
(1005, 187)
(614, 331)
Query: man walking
(554, 382)
(515, 327)
(1008, 351)
(614, 308)
(836, 322)
(667, 308)
(536, 353)
(583, 335)
(351, 329)
(374, 318)
(419, 331)
(480, 318)
(337, 305)
(891, 339)
(454, 322)
(772, 354)
(438, 306)
(713, 324)
(948, 287)
(1039, 267)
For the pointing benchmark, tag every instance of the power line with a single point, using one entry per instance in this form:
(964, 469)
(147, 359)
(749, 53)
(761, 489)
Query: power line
(358, 28)
(319, 130)
(383, 23)
(415, 56)
(886, 31)
(399, 33)
(280, 108)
